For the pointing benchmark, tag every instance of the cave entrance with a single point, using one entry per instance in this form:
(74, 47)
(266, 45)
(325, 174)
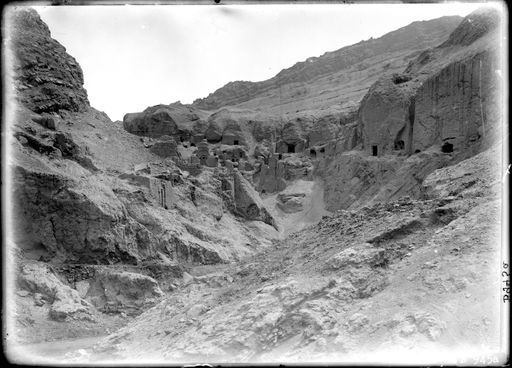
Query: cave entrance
(253, 211)
(280, 156)
(374, 150)
(181, 139)
(447, 147)
(399, 145)
(291, 148)
(225, 185)
(235, 142)
(312, 153)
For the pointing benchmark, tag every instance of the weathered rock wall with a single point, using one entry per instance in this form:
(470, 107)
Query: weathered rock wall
(384, 116)
(47, 79)
(50, 210)
(449, 93)
(248, 203)
(459, 104)
(444, 108)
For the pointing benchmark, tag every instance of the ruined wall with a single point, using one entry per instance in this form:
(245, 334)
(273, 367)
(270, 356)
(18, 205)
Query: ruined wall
(162, 192)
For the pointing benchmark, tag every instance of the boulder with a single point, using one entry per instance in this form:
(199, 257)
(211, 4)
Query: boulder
(175, 120)
(46, 121)
(290, 203)
(127, 292)
(214, 132)
(66, 303)
(66, 145)
(357, 256)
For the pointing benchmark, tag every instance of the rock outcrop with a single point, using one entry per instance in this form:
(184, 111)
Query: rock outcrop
(449, 94)
(123, 292)
(47, 79)
(65, 302)
(386, 118)
(248, 202)
(444, 107)
(175, 120)
(290, 203)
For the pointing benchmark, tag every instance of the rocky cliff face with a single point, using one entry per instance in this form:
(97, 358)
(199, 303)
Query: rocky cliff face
(47, 78)
(447, 102)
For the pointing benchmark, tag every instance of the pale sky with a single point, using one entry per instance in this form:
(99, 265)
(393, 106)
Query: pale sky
(138, 56)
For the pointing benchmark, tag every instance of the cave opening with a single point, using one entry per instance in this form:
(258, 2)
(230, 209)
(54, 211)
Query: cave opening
(291, 148)
(253, 211)
(322, 150)
(447, 147)
(401, 78)
(312, 152)
(374, 150)
(225, 185)
(399, 145)
(280, 156)
(235, 142)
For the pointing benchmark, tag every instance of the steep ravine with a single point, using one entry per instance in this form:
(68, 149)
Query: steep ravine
(242, 228)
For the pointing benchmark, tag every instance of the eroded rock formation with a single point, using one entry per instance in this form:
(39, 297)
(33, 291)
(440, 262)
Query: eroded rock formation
(47, 78)
(131, 205)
